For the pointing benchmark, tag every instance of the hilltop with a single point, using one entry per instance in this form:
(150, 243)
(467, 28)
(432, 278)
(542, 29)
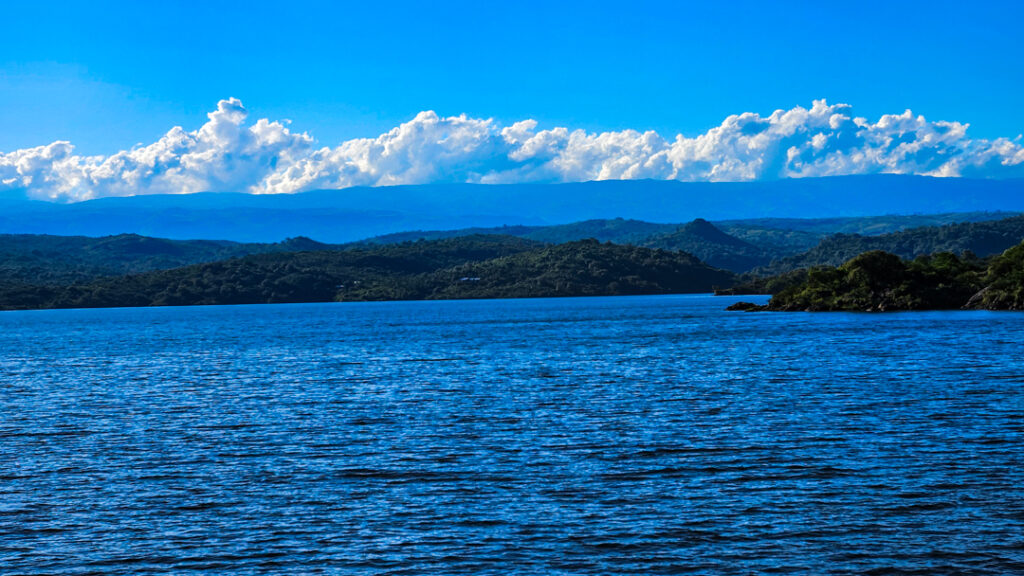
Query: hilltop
(707, 242)
(55, 260)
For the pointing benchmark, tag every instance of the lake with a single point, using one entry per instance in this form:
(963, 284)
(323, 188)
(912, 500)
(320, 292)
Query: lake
(630, 435)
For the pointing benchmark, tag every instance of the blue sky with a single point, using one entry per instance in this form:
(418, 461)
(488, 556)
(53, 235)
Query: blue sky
(90, 93)
(107, 75)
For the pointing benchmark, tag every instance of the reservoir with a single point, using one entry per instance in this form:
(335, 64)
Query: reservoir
(623, 435)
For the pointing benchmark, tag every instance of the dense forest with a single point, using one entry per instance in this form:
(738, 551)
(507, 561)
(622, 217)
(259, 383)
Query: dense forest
(58, 260)
(705, 241)
(770, 245)
(862, 225)
(913, 268)
(581, 268)
(881, 281)
(736, 245)
(467, 267)
(979, 238)
(616, 230)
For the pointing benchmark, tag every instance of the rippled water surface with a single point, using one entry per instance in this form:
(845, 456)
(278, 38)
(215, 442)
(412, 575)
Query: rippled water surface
(645, 435)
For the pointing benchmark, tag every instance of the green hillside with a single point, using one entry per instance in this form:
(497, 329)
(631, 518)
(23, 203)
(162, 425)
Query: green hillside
(56, 260)
(878, 281)
(705, 241)
(466, 267)
(616, 230)
(582, 268)
(736, 245)
(862, 225)
(980, 238)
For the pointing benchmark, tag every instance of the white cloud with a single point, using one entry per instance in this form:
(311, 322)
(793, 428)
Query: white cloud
(266, 157)
(223, 154)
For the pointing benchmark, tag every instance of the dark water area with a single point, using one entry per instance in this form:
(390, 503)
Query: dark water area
(643, 435)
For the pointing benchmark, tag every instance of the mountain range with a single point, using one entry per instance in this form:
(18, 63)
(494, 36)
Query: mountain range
(770, 246)
(335, 256)
(335, 216)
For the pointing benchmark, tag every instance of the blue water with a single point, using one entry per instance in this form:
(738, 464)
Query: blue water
(642, 435)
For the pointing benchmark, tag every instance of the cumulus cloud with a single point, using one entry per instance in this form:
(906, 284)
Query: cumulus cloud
(224, 154)
(227, 154)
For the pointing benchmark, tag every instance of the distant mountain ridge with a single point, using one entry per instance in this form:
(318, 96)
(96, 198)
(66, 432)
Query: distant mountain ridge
(617, 230)
(736, 245)
(335, 216)
(49, 260)
(132, 270)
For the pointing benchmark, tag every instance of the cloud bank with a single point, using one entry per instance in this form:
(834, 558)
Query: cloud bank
(229, 154)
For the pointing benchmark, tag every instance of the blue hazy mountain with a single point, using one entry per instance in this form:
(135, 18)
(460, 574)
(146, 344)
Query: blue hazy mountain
(356, 213)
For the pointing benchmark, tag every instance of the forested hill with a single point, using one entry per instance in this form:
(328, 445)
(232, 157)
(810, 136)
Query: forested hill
(790, 236)
(699, 237)
(738, 246)
(803, 233)
(581, 268)
(56, 260)
(979, 238)
(466, 267)
(863, 225)
(705, 241)
(616, 230)
(878, 281)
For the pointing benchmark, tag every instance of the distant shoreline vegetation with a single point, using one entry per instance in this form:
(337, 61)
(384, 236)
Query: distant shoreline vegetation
(973, 261)
(458, 268)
